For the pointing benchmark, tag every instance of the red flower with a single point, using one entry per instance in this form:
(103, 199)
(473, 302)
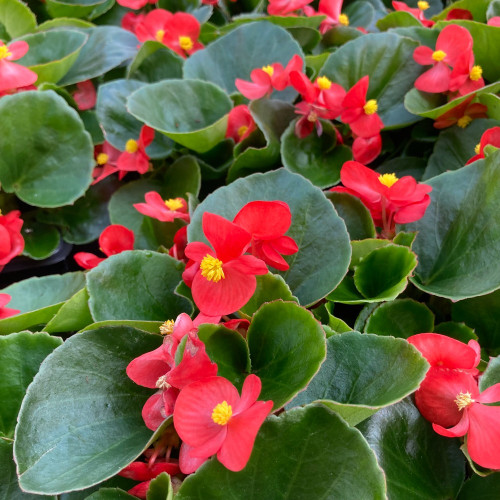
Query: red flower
(222, 279)
(494, 21)
(5, 312)
(180, 243)
(135, 158)
(210, 417)
(360, 114)
(332, 10)
(459, 14)
(240, 123)
(390, 200)
(106, 157)
(452, 42)
(135, 4)
(267, 78)
(366, 149)
(130, 21)
(114, 239)
(267, 222)
(284, 7)
(461, 115)
(465, 76)
(11, 240)
(490, 137)
(418, 13)
(12, 75)
(85, 95)
(163, 210)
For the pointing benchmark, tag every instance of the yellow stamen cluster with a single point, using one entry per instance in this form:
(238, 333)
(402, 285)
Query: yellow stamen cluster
(464, 121)
(159, 35)
(211, 269)
(242, 130)
(4, 52)
(323, 83)
(388, 179)
(222, 413)
(162, 383)
(186, 43)
(438, 55)
(477, 148)
(464, 399)
(370, 107)
(268, 69)
(344, 20)
(476, 73)
(131, 146)
(102, 159)
(167, 328)
(423, 5)
(174, 203)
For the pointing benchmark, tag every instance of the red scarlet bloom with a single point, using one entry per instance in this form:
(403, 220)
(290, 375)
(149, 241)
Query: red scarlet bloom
(462, 115)
(85, 95)
(11, 239)
(267, 222)
(366, 149)
(222, 279)
(106, 157)
(465, 76)
(135, 158)
(130, 21)
(490, 137)
(285, 7)
(332, 10)
(135, 4)
(6, 312)
(418, 12)
(390, 200)
(12, 75)
(210, 417)
(240, 123)
(459, 14)
(163, 210)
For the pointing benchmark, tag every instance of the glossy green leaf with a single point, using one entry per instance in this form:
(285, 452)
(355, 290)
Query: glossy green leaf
(481, 488)
(491, 375)
(287, 347)
(16, 18)
(417, 462)
(304, 453)
(387, 59)
(459, 331)
(318, 159)
(182, 177)
(190, 112)
(64, 22)
(136, 285)
(146, 326)
(110, 494)
(400, 318)
(455, 246)
(74, 8)
(52, 53)
(236, 54)
(397, 19)
(20, 357)
(477, 8)
(73, 315)
(98, 432)
(361, 249)
(311, 214)
(160, 488)
(40, 240)
(44, 170)
(363, 373)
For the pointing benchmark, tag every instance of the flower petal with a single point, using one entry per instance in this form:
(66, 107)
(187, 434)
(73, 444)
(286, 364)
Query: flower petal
(483, 438)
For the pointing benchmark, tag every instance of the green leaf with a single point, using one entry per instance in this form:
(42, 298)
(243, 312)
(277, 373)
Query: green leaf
(16, 18)
(74, 8)
(44, 170)
(236, 54)
(146, 326)
(190, 112)
(361, 249)
(459, 331)
(388, 60)
(136, 285)
(182, 177)
(400, 318)
(83, 387)
(64, 22)
(493, 9)
(476, 7)
(481, 488)
(39, 299)
(398, 19)
(52, 53)
(289, 449)
(311, 214)
(491, 375)
(110, 494)
(460, 232)
(417, 462)
(20, 357)
(363, 373)
(106, 48)
(287, 347)
(160, 488)
(40, 240)
(73, 315)
(318, 159)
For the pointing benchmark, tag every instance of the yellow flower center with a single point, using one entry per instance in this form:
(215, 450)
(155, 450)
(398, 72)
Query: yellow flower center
(477, 148)
(162, 383)
(344, 20)
(167, 328)
(438, 55)
(131, 146)
(464, 121)
(4, 52)
(211, 268)
(174, 203)
(242, 130)
(323, 83)
(222, 413)
(102, 159)
(370, 107)
(422, 5)
(388, 179)
(476, 73)
(159, 35)
(186, 43)
(268, 69)
(464, 400)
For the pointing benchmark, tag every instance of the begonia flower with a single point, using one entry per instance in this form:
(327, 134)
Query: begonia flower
(106, 156)
(332, 10)
(180, 243)
(268, 78)
(135, 4)
(459, 14)
(360, 114)
(211, 418)
(490, 137)
(494, 21)
(6, 312)
(452, 42)
(267, 222)
(13, 75)
(11, 239)
(85, 95)
(465, 76)
(163, 210)
(113, 240)
(462, 115)
(390, 200)
(285, 7)
(422, 6)
(240, 123)
(222, 279)
(135, 158)
(130, 21)
(366, 149)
